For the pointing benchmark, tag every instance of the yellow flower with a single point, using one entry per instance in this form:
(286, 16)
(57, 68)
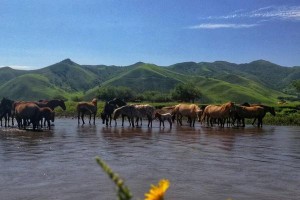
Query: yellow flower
(157, 192)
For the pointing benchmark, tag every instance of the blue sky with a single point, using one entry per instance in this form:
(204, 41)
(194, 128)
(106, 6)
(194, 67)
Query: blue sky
(38, 33)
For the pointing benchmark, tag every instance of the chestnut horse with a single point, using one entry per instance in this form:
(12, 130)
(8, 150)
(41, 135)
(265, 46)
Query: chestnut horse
(186, 110)
(87, 108)
(213, 112)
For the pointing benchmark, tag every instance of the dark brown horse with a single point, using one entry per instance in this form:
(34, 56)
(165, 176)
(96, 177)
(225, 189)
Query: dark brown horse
(266, 110)
(6, 110)
(47, 114)
(106, 114)
(252, 112)
(51, 103)
(25, 112)
(87, 108)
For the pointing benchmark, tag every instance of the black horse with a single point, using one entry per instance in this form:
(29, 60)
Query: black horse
(109, 108)
(106, 114)
(6, 110)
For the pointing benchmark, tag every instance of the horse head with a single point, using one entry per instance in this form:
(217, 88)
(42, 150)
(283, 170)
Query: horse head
(94, 101)
(62, 104)
(272, 111)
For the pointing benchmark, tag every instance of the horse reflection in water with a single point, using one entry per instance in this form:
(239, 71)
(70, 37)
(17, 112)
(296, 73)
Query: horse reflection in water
(121, 132)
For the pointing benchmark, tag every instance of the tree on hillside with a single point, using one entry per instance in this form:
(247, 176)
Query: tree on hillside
(186, 92)
(109, 92)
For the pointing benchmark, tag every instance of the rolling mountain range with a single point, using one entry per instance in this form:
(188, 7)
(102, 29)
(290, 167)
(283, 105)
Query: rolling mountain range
(258, 81)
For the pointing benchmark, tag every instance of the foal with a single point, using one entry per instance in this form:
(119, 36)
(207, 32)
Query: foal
(163, 117)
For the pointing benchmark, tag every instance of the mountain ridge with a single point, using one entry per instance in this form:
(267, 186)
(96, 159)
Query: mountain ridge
(240, 81)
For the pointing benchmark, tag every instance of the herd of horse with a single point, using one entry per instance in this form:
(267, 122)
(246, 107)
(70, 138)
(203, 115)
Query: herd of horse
(230, 113)
(29, 112)
(41, 112)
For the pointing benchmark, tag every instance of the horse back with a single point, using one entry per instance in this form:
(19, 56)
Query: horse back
(27, 110)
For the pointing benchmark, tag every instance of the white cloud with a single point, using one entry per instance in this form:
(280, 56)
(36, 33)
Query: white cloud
(262, 15)
(270, 12)
(218, 26)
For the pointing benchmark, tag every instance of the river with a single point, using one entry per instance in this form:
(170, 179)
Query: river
(201, 163)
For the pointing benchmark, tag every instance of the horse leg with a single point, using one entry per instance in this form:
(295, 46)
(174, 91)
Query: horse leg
(109, 120)
(259, 123)
(123, 121)
(78, 117)
(150, 122)
(132, 120)
(5, 120)
(94, 118)
(90, 118)
(180, 120)
(254, 121)
(49, 125)
(170, 122)
(82, 118)
(137, 121)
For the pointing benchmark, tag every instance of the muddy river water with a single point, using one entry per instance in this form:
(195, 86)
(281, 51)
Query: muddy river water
(201, 163)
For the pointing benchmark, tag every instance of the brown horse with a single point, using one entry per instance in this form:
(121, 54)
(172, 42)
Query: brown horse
(163, 117)
(25, 112)
(213, 112)
(147, 111)
(87, 108)
(186, 110)
(252, 112)
(128, 110)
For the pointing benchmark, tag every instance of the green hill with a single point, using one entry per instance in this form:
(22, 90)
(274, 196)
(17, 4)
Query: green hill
(258, 81)
(69, 76)
(146, 77)
(30, 87)
(7, 74)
